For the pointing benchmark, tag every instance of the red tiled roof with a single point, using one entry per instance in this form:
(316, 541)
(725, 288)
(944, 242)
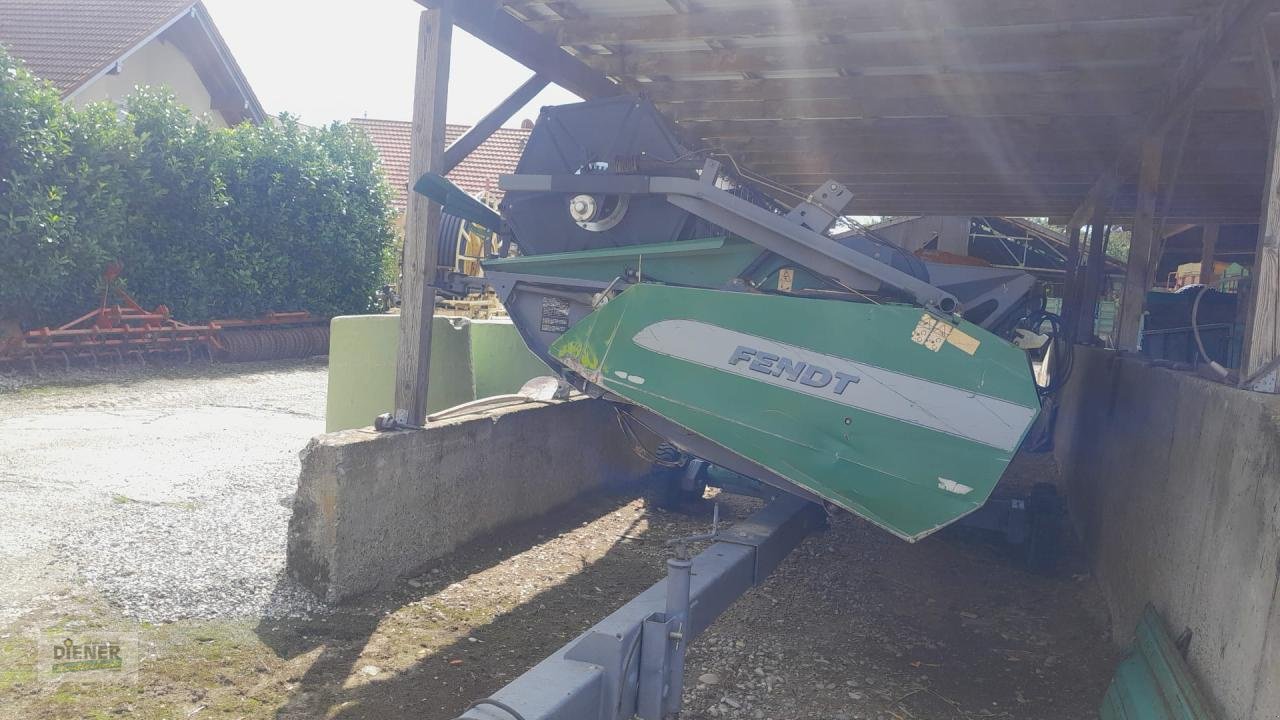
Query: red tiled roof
(479, 172)
(68, 42)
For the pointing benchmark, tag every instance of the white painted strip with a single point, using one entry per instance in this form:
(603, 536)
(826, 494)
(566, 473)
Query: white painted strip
(944, 408)
(952, 486)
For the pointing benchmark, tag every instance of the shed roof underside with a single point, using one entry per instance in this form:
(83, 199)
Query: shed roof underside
(984, 107)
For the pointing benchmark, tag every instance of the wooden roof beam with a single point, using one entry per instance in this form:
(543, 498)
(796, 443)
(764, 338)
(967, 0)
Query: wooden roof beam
(990, 105)
(866, 16)
(974, 162)
(995, 104)
(1137, 47)
(1208, 124)
(949, 84)
(483, 130)
(489, 22)
(1221, 32)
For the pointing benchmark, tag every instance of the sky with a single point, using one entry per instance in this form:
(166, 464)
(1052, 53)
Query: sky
(325, 60)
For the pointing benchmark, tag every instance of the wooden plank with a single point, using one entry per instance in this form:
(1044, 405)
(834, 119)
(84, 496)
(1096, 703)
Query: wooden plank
(1246, 167)
(1190, 194)
(1139, 269)
(1142, 47)
(481, 131)
(1209, 128)
(994, 104)
(909, 82)
(422, 223)
(489, 22)
(850, 19)
(969, 162)
(1020, 207)
(914, 129)
(950, 84)
(812, 151)
(1208, 250)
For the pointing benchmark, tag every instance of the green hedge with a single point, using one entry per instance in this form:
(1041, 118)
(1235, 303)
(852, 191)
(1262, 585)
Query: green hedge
(211, 222)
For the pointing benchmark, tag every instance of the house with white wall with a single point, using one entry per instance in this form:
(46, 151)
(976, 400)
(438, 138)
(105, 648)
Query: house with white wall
(94, 50)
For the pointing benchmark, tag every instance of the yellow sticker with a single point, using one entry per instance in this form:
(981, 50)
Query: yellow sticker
(938, 336)
(964, 341)
(930, 332)
(923, 328)
(786, 276)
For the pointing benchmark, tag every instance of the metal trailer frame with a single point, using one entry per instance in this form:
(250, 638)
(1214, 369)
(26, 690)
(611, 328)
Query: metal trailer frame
(631, 664)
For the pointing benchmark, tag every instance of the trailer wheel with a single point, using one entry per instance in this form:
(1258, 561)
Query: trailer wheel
(1045, 512)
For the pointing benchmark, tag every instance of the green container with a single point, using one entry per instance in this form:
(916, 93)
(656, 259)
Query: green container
(1154, 682)
(470, 359)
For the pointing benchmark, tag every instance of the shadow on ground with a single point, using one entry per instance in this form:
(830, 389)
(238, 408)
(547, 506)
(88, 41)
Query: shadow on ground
(459, 652)
(854, 625)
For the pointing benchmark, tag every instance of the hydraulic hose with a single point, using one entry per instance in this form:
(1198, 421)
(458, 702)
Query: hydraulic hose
(1195, 330)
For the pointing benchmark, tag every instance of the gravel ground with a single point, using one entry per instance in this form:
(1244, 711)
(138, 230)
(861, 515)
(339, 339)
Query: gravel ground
(160, 489)
(157, 496)
(855, 625)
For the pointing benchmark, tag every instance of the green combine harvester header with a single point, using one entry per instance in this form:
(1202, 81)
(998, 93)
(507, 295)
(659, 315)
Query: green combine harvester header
(744, 343)
(744, 334)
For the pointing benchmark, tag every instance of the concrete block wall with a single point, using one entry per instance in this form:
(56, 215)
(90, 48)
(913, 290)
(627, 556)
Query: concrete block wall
(372, 507)
(1174, 488)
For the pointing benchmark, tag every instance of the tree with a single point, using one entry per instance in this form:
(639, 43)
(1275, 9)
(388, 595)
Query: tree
(211, 222)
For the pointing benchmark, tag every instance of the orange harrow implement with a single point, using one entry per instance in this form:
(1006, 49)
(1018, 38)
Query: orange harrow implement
(124, 329)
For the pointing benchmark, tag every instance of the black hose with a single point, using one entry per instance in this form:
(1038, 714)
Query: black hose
(1063, 351)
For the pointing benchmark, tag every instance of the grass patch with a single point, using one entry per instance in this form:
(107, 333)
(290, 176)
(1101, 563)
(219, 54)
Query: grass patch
(221, 665)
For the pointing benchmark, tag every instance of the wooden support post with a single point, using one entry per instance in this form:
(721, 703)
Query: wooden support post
(1071, 285)
(1141, 265)
(1262, 321)
(1094, 273)
(1266, 72)
(1209, 239)
(473, 138)
(422, 225)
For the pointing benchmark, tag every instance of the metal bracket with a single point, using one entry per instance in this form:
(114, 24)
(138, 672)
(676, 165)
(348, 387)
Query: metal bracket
(822, 208)
(1265, 382)
(782, 235)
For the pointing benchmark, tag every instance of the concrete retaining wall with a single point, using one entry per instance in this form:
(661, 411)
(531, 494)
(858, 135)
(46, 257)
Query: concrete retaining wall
(1174, 487)
(372, 507)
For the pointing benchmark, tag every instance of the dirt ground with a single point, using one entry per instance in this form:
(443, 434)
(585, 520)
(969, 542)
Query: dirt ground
(855, 624)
